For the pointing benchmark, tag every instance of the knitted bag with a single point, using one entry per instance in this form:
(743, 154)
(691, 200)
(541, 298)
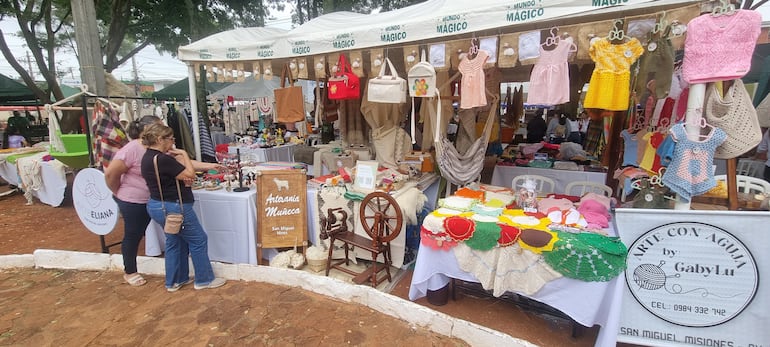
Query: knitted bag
(736, 116)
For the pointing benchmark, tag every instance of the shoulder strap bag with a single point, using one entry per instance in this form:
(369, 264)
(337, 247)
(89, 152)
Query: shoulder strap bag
(289, 103)
(173, 220)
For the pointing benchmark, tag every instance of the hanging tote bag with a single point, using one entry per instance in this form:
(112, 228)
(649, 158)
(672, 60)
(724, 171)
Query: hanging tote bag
(736, 116)
(422, 79)
(289, 103)
(345, 84)
(389, 89)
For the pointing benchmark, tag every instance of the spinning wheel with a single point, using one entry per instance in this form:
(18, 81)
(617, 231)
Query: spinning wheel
(382, 219)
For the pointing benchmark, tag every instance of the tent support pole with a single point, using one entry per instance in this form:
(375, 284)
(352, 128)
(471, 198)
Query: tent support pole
(194, 110)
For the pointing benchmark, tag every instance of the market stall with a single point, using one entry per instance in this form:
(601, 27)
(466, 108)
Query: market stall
(42, 179)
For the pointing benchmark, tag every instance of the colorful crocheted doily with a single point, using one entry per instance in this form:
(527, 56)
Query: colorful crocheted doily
(508, 235)
(485, 237)
(459, 228)
(537, 241)
(588, 256)
(440, 241)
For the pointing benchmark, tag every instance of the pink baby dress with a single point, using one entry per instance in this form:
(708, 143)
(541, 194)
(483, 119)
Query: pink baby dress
(474, 82)
(549, 82)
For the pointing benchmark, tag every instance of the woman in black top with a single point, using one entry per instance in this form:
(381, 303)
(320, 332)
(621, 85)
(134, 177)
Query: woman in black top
(174, 165)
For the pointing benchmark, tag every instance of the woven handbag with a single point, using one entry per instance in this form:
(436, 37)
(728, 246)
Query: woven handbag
(736, 116)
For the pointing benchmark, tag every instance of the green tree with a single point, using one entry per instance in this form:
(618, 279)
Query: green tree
(305, 10)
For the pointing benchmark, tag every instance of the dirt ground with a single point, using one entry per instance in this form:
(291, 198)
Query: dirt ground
(45, 307)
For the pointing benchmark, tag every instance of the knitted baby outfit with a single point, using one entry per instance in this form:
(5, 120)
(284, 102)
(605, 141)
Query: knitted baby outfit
(549, 81)
(630, 144)
(719, 48)
(611, 78)
(473, 81)
(689, 173)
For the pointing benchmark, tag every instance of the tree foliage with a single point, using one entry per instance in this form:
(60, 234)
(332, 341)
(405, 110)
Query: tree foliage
(305, 10)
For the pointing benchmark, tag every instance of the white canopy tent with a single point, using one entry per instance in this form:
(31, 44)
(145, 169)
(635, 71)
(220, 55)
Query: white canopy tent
(430, 20)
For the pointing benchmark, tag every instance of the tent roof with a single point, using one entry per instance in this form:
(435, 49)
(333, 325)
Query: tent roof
(181, 89)
(11, 90)
(432, 19)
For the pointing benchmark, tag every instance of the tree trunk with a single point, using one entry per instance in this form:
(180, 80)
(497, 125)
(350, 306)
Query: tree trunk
(120, 13)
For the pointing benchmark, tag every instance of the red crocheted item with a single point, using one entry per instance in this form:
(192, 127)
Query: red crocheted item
(439, 241)
(459, 228)
(508, 235)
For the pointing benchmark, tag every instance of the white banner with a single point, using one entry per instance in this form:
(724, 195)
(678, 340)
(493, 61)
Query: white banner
(344, 31)
(93, 201)
(693, 278)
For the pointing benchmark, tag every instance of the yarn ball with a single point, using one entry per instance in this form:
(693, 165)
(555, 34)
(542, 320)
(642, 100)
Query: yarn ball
(649, 276)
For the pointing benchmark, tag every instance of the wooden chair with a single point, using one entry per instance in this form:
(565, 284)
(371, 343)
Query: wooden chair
(382, 219)
(544, 185)
(580, 188)
(748, 184)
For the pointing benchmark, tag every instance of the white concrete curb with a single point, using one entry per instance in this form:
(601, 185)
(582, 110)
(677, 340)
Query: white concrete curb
(393, 306)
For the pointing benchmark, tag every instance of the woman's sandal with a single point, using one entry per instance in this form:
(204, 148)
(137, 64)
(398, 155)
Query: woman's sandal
(134, 279)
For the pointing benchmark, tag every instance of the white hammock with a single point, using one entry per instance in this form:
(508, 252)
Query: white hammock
(461, 169)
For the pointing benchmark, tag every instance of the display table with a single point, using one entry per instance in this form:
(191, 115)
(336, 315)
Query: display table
(230, 221)
(503, 175)
(53, 181)
(398, 245)
(588, 303)
(279, 153)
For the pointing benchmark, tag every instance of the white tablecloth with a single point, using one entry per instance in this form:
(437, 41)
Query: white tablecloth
(230, 221)
(278, 153)
(398, 245)
(53, 177)
(503, 176)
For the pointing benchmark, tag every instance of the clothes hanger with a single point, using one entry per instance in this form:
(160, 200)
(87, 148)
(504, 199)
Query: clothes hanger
(551, 41)
(725, 8)
(617, 34)
(473, 50)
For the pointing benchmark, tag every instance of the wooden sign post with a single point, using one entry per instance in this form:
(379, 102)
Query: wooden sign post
(281, 209)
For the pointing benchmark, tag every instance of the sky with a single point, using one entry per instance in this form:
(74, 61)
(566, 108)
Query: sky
(151, 65)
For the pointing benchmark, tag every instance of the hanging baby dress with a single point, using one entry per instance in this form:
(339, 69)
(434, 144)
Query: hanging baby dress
(611, 78)
(549, 82)
(473, 82)
(689, 173)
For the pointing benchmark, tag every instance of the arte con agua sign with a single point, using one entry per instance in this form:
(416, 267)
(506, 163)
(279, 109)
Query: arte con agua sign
(698, 281)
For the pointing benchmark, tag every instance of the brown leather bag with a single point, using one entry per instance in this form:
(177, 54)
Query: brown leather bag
(289, 103)
(330, 109)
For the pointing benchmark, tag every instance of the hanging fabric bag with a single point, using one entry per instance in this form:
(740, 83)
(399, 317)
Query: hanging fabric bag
(389, 89)
(289, 103)
(422, 79)
(345, 84)
(736, 116)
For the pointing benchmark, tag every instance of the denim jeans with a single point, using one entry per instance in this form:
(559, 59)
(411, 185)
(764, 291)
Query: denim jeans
(191, 240)
(135, 221)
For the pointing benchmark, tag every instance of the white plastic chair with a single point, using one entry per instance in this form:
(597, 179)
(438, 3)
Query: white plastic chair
(543, 185)
(748, 184)
(580, 188)
(750, 167)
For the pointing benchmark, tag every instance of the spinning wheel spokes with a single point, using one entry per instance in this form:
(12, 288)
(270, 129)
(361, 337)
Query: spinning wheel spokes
(380, 214)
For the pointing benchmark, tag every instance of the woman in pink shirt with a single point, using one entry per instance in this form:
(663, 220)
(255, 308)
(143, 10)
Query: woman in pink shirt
(124, 178)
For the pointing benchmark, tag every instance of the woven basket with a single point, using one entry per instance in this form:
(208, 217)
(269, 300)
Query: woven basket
(316, 265)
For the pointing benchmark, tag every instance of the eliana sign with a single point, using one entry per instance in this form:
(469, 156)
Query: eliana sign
(93, 202)
(692, 278)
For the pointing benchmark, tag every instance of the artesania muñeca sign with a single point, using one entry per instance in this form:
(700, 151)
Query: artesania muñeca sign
(692, 278)
(281, 208)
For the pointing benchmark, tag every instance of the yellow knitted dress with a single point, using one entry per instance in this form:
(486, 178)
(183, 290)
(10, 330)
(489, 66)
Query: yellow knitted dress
(610, 81)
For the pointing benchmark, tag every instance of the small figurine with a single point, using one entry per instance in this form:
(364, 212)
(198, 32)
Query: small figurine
(527, 198)
(279, 136)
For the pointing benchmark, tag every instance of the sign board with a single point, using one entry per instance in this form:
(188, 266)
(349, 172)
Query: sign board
(93, 201)
(692, 278)
(281, 209)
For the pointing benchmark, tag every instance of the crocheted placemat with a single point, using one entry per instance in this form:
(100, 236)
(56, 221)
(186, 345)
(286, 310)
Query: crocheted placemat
(587, 256)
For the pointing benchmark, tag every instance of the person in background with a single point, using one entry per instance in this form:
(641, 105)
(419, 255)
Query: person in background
(124, 178)
(15, 140)
(19, 123)
(558, 133)
(536, 127)
(762, 153)
(574, 129)
(583, 120)
(174, 165)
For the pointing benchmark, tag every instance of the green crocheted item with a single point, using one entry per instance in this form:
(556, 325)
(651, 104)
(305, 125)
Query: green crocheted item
(485, 237)
(587, 256)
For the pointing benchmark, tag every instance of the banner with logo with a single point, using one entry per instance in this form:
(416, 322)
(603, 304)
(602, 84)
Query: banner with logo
(93, 202)
(344, 31)
(693, 278)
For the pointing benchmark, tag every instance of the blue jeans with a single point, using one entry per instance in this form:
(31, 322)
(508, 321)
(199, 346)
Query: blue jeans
(135, 221)
(191, 240)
